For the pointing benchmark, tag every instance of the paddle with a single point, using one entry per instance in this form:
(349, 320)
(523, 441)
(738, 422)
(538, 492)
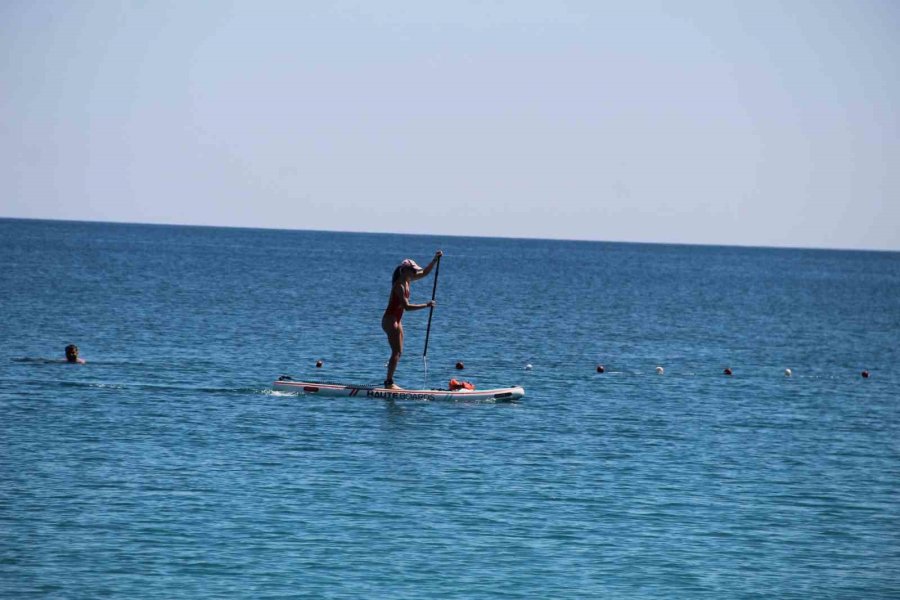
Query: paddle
(437, 271)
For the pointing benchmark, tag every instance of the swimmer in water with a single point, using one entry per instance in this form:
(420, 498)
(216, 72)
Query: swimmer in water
(72, 355)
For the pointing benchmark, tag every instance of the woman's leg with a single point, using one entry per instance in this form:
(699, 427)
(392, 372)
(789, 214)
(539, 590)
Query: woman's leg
(394, 331)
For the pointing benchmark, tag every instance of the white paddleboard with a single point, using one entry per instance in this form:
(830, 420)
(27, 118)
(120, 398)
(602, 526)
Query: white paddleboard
(338, 390)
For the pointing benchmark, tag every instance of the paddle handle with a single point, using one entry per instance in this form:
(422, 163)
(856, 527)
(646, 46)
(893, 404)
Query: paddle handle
(437, 271)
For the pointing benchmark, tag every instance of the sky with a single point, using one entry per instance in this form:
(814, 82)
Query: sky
(753, 123)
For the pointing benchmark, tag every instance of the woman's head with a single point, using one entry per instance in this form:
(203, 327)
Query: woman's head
(405, 270)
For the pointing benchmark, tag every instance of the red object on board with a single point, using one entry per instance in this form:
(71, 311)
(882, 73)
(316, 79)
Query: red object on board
(460, 385)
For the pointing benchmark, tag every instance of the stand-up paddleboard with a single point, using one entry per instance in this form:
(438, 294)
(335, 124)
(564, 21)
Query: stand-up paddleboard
(338, 390)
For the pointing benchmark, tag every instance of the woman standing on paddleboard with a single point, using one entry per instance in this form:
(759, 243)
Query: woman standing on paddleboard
(398, 302)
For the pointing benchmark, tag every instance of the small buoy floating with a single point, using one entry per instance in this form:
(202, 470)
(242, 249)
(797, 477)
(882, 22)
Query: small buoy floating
(528, 367)
(865, 374)
(788, 373)
(728, 371)
(660, 370)
(601, 369)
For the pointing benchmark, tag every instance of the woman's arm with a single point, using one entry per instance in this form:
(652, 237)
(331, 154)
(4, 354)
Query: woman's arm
(419, 306)
(400, 292)
(427, 270)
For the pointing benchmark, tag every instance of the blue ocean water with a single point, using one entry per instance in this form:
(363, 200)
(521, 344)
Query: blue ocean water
(166, 467)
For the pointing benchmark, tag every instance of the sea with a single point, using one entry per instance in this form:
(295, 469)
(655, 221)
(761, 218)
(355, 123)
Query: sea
(167, 467)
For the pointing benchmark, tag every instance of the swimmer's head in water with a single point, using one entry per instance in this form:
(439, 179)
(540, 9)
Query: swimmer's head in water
(72, 353)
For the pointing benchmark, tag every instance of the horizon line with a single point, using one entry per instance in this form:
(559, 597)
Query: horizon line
(455, 235)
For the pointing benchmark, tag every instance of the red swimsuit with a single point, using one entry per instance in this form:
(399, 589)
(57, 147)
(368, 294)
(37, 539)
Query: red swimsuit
(395, 307)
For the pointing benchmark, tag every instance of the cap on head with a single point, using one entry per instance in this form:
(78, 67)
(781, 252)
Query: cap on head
(410, 264)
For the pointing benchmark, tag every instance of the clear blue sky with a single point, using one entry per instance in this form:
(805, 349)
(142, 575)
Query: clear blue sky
(750, 123)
